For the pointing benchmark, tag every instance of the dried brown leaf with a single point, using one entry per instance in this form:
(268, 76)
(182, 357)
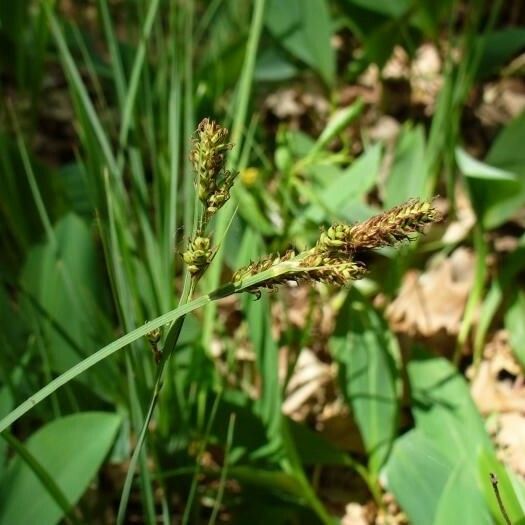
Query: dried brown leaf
(433, 302)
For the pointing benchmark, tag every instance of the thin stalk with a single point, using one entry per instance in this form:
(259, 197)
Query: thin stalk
(80, 89)
(138, 64)
(116, 60)
(196, 470)
(136, 415)
(189, 118)
(480, 273)
(242, 102)
(169, 317)
(169, 346)
(35, 191)
(224, 471)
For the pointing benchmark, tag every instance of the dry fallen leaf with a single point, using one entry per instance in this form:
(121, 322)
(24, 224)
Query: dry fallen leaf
(502, 101)
(355, 514)
(510, 440)
(426, 79)
(306, 386)
(498, 385)
(465, 219)
(432, 302)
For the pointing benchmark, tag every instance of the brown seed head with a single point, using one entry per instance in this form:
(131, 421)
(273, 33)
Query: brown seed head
(392, 226)
(207, 156)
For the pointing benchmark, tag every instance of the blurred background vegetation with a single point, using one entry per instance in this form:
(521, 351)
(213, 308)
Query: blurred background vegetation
(388, 402)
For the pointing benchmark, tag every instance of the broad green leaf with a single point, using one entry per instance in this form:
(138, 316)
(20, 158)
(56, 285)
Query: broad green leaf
(519, 490)
(476, 169)
(497, 186)
(408, 175)
(314, 449)
(273, 66)
(444, 410)
(488, 464)
(366, 353)
(462, 501)
(304, 28)
(347, 189)
(515, 325)
(417, 473)
(378, 25)
(507, 152)
(249, 440)
(391, 8)
(499, 47)
(71, 449)
(65, 292)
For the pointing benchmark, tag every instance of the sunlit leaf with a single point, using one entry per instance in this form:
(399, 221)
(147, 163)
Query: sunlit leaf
(71, 450)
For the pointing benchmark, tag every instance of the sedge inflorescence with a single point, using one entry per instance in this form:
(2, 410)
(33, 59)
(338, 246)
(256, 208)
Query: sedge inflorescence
(208, 158)
(335, 257)
(214, 183)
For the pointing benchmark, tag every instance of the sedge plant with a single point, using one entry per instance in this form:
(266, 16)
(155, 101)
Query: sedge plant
(335, 260)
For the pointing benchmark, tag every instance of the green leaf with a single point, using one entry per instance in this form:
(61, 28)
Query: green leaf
(366, 353)
(499, 47)
(6, 404)
(497, 186)
(488, 464)
(390, 8)
(64, 287)
(462, 502)
(444, 410)
(515, 325)
(71, 449)
(277, 482)
(272, 66)
(348, 188)
(476, 169)
(507, 150)
(338, 121)
(314, 449)
(267, 353)
(251, 212)
(417, 473)
(304, 28)
(408, 175)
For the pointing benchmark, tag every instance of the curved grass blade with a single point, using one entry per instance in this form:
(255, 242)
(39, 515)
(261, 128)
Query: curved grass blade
(172, 315)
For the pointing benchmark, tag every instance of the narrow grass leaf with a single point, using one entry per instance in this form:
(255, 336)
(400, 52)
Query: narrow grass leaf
(80, 89)
(515, 325)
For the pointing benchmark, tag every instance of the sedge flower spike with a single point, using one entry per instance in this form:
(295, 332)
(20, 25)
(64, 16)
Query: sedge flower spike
(208, 158)
(335, 257)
